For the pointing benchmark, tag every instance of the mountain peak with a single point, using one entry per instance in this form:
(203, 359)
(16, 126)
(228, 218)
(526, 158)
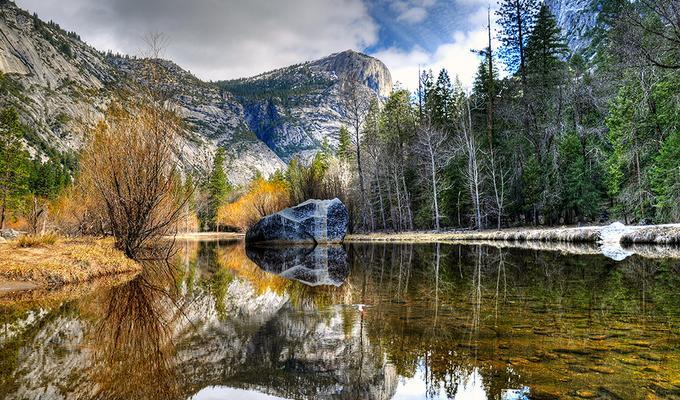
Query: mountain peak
(352, 65)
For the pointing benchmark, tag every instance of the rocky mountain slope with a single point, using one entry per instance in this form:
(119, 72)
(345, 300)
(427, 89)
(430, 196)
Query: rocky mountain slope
(577, 19)
(60, 86)
(294, 109)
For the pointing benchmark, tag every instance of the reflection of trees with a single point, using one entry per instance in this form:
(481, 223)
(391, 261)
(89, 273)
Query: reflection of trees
(441, 312)
(447, 311)
(132, 342)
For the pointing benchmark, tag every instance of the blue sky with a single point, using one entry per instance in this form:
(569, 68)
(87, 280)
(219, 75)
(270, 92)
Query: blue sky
(233, 38)
(427, 23)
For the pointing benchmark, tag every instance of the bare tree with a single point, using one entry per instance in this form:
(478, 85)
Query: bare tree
(650, 30)
(433, 151)
(357, 104)
(471, 149)
(130, 166)
(499, 178)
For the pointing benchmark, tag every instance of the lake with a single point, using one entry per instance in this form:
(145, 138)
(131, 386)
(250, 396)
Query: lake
(363, 321)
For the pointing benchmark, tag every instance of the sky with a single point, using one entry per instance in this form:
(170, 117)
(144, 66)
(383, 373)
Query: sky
(225, 39)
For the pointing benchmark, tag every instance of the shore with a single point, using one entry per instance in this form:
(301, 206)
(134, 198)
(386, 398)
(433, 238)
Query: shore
(66, 261)
(209, 236)
(627, 234)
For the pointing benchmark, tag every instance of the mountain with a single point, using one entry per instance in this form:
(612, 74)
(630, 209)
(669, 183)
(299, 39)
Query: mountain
(294, 109)
(577, 19)
(60, 86)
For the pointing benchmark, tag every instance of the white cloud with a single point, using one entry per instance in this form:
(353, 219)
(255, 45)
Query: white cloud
(219, 39)
(412, 11)
(413, 15)
(455, 55)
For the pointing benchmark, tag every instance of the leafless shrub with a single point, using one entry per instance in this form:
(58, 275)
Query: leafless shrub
(130, 168)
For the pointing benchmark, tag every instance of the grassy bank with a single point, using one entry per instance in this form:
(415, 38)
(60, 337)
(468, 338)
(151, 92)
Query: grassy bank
(60, 261)
(655, 234)
(661, 234)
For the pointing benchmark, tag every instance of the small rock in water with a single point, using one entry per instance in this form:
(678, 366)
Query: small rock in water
(314, 221)
(601, 369)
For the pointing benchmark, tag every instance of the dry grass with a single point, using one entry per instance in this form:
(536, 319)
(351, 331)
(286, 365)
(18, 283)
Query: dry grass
(47, 239)
(662, 234)
(585, 234)
(64, 261)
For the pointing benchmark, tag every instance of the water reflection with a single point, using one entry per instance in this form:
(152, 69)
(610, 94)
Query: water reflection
(408, 322)
(311, 265)
(132, 341)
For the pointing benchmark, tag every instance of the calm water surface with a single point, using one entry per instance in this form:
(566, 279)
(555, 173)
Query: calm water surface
(366, 321)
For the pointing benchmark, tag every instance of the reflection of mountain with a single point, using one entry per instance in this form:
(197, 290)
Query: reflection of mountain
(292, 355)
(239, 338)
(441, 320)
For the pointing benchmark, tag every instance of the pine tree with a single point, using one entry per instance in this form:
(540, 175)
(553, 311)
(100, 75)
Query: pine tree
(13, 162)
(218, 186)
(344, 145)
(516, 20)
(441, 102)
(546, 49)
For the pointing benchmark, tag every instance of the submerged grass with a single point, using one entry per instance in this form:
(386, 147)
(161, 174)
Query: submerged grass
(55, 261)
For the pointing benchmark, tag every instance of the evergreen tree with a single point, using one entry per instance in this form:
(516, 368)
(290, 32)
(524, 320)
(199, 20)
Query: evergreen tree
(46, 179)
(580, 196)
(441, 102)
(516, 20)
(546, 49)
(13, 162)
(218, 187)
(344, 145)
(665, 177)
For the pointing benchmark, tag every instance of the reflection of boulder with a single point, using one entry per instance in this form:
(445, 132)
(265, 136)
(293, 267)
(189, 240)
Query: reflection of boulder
(314, 221)
(313, 266)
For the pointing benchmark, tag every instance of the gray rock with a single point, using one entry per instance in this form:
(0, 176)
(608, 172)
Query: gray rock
(314, 221)
(9, 234)
(311, 265)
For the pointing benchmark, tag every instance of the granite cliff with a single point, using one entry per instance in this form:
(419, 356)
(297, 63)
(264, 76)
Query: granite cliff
(60, 86)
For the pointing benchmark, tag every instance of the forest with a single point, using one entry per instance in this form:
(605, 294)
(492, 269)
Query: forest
(545, 136)
(563, 138)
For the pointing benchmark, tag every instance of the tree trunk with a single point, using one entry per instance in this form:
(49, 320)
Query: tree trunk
(434, 192)
(4, 210)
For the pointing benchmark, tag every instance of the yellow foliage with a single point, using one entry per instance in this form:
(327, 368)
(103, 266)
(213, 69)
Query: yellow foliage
(75, 212)
(263, 198)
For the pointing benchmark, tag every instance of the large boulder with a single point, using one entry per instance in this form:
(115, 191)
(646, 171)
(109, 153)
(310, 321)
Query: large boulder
(314, 221)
